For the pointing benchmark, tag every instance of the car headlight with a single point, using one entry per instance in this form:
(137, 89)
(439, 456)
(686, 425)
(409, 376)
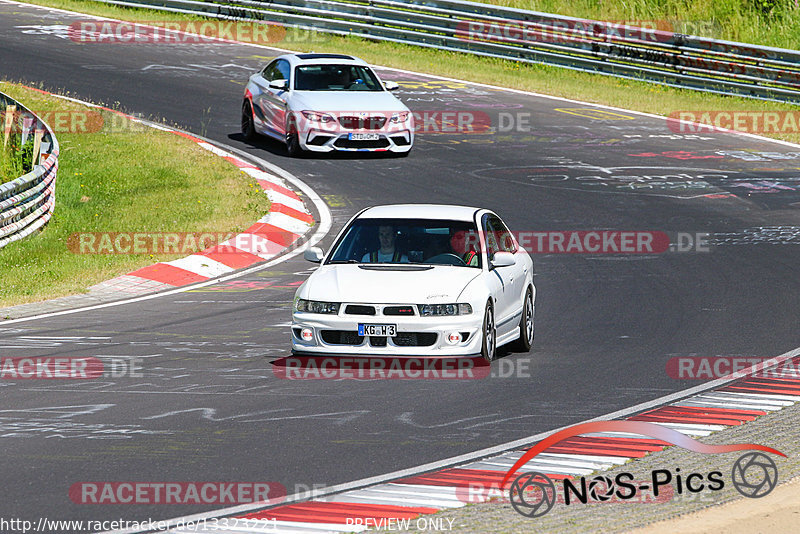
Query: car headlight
(400, 117)
(318, 117)
(427, 310)
(315, 306)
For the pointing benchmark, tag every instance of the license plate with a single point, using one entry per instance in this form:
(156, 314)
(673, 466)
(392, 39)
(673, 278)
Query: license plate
(363, 137)
(377, 330)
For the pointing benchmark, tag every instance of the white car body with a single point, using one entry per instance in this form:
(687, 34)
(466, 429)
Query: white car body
(363, 288)
(296, 99)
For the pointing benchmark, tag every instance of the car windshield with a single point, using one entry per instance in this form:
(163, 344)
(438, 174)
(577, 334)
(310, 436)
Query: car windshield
(335, 78)
(411, 241)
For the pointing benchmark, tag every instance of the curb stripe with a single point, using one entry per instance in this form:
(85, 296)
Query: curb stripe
(168, 274)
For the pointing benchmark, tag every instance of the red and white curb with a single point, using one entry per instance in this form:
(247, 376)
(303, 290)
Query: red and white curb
(287, 222)
(734, 402)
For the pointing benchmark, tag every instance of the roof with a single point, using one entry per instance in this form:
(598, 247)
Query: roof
(317, 59)
(420, 211)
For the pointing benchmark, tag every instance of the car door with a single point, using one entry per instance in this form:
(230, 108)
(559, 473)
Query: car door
(517, 273)
(272, 102)
(500, 278)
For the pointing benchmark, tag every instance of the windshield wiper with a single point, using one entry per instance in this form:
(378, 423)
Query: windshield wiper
(344, 261)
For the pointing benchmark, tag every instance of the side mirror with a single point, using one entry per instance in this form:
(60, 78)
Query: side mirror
(391, 86)
(281, 85)
(313, 254)
(502, 259)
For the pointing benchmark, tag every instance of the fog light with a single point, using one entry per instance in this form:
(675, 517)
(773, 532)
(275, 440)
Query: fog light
(453, 338)
(307, 334)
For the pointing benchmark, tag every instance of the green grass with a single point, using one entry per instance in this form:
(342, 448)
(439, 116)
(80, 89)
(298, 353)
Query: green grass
(13, 163)
(132, 179)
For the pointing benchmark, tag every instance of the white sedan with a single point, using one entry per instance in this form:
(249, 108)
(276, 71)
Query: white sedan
(415, 280)
(326, 102)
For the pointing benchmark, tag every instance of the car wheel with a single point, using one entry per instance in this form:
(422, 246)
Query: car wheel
(489, 346)
(523, 344)
(248, 126)
(293, 142)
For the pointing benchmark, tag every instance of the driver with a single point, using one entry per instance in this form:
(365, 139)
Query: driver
(387, 251)
(463, 244)
(342, 77)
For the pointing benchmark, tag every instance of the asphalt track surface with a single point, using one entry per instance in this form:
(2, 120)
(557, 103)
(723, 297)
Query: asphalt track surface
(209, 408)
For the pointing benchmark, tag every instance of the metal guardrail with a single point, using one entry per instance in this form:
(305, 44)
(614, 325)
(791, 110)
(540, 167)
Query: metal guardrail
(27, 202)
(643, 54)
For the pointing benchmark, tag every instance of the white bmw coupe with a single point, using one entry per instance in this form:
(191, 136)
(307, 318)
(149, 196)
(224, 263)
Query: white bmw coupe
(326, 102)
(415, 280)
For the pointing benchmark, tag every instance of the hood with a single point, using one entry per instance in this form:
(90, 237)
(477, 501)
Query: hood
(439, 284)
(355, 101)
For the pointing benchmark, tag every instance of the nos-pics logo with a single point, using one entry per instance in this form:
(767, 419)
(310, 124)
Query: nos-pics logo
(533, 494)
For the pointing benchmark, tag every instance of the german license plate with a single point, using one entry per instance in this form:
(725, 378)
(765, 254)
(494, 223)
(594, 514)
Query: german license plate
(377, 330)
(363, 136)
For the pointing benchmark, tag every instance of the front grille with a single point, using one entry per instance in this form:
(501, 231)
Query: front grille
(377, 341)
(398, 310)
(414, 339)
(362, 123)
(344, 142)
(341, 337)
(356, 309)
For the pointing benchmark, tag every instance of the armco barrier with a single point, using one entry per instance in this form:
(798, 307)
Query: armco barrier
(27, 203)
(650, 55)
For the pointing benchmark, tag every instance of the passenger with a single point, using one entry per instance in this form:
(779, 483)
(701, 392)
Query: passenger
(465, 245)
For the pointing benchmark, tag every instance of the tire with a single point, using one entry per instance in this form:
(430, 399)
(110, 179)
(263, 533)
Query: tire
(489, 333)
(293, 141)
(523, 343)
(248, 125)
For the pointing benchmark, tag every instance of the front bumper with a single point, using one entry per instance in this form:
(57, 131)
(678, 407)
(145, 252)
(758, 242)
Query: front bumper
(416, 335)
(325, 140)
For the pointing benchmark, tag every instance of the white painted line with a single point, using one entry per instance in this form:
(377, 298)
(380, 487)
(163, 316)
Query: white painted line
(285, 222)
(766, 396)
(562, 462)
(734, 399)
(276, 197)
(258, 174)
(201, 265)
(616, 460)
(255, 244)
(533, 465)
(368, 497)
(711, 403)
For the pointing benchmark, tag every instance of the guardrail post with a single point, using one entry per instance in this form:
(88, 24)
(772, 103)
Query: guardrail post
(8, 122)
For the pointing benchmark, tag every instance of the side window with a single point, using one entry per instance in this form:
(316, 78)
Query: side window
(503, 237)
(269, 72)
(491, 237)
(283, 70)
